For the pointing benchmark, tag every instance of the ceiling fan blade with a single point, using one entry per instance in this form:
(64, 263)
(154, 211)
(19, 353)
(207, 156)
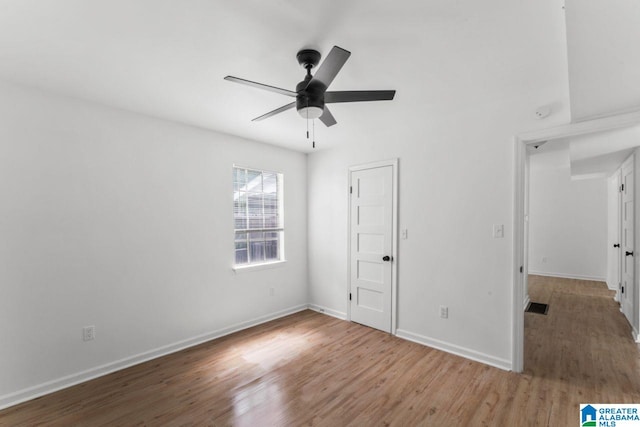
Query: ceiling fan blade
(330, 66)
(327, 118)
(260, 86)
(274, 112)
(359, 96)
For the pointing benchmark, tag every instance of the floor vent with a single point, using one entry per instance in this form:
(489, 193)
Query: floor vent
(537, 307)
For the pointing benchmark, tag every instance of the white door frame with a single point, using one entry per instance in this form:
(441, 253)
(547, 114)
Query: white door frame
(619, 234)
(394, 237)
(520, 199)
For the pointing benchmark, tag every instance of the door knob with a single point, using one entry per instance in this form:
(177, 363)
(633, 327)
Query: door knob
(627, 253)
(616, 245)
(387, 258)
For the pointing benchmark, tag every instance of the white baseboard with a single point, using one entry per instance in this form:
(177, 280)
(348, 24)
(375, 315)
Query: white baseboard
(568, 276)
(634, 332)
(330, 312)
(455, 349)
(431, 342)
(33, 392)
(527, 300)
(613, 288)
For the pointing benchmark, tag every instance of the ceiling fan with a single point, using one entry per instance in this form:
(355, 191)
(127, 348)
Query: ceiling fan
(311, 93)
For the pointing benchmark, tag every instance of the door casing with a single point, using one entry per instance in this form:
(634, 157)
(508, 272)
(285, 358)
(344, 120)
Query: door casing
(619, 236)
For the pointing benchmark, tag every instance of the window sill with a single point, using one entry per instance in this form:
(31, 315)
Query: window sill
(256, 267)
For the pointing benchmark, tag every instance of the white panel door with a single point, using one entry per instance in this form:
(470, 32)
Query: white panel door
(371, 246)
(627, 243)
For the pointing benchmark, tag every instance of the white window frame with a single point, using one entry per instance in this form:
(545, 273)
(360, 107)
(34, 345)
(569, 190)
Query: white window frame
(279, 229)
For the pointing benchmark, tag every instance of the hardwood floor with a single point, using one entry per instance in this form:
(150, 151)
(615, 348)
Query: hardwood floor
(311, 369)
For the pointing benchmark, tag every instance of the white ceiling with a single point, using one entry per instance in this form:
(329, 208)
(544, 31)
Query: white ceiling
(603, 152)
(168, 58)
(594, 155)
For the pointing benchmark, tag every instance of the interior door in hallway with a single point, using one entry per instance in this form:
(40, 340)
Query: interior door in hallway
(627, 243)
(371, 257)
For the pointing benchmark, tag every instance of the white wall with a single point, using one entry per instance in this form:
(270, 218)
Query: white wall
(455, 180)
(567, 222)
(454, 183)
(602, 40)
(124, 222)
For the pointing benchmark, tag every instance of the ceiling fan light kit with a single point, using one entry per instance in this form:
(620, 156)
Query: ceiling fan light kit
(310, 112)
(311, 93)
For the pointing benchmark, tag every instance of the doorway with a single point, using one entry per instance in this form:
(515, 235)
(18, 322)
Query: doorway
(373, 244)
(522, 141)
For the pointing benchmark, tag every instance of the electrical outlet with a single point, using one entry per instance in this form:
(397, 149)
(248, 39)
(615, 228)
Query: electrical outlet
(404, 234)
(498, 231)
(444, 312)
(88, 333)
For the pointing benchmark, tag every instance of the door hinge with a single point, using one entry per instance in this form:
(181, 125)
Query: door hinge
(521, 269)
(350, 190)
(349, 296)
(622, 290)
(622, 188)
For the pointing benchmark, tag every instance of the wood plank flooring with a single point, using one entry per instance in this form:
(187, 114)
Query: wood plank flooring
(311, 369)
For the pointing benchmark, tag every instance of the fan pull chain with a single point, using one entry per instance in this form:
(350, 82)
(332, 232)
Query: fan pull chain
(307, 119)
(314, 134)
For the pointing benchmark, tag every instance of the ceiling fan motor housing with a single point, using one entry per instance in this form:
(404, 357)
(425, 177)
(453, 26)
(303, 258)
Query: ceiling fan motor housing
(310, 98)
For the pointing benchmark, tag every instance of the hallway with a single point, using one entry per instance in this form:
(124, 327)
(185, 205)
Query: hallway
(584, 340)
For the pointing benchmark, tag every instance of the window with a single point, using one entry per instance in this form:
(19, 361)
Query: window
(257, 209)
